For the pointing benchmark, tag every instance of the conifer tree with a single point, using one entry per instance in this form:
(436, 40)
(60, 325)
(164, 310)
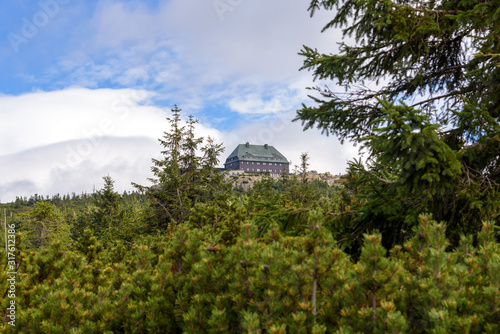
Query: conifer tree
(432, 128)
(105, 215)
(44, 225)
(181, 177)
(185, 281)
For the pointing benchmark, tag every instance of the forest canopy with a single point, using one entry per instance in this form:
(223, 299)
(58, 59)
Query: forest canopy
(421, 85)
(407, 241)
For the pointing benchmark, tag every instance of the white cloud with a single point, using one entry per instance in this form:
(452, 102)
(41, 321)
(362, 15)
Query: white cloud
(117, 23)
(63, 168)
(281, 102)
(183, 49)
(326, 154)
(43, 118)
(61, 141)
(76, 136)
(257, 39)
(180, 52)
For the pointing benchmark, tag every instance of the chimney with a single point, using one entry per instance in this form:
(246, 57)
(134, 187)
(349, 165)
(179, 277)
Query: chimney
(265, 146)
(247, 144)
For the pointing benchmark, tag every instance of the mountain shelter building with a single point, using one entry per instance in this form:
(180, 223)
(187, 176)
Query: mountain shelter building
(257, 159)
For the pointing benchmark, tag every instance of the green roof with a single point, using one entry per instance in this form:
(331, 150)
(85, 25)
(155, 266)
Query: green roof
(247, 152)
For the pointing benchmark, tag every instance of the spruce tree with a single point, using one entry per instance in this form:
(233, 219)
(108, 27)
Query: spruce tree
(181, 177)
(422, 94)
(44, 225)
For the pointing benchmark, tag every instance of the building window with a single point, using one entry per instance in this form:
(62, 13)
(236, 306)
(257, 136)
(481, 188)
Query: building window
(258, 169)
(263, 163)
(258, 163)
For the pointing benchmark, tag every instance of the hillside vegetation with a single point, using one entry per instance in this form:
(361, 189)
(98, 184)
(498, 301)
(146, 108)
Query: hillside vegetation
(278, 257)
(407, 243)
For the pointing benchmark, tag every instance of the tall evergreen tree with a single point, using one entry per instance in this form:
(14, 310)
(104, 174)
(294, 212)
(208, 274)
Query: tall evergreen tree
(432, 130)
(181, 177)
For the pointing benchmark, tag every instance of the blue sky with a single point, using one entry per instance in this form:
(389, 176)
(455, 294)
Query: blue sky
(85, 86)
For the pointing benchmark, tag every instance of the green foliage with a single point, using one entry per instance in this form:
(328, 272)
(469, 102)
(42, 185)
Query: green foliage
(219, 223)
(186, 282)
(110, 216)
(297, 255)
(288, 203)
(182, 178)
(407, 144)
(44, 225)
(444, 158)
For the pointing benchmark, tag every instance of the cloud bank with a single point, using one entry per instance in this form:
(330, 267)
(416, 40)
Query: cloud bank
(89, 93)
